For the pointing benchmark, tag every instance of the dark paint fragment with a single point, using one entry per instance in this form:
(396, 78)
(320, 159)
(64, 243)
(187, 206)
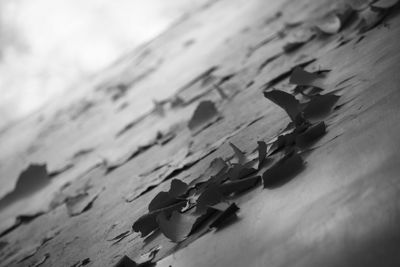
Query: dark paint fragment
(162, 200)
(216, 166)
(286, 74)
(203, 219)
(210, 196)
(228, 215)
(177, 227)
(188, 162)
(305, 78)
(283, 171)
(125, 261)
(215, 179)
(31, 180)
(311, 135)
(239, 171)
(178, 188)
(283, 140)
(239, 154)
(262, 152)
(147, 223)
(286, 101)
(319, 106)
(205, 114)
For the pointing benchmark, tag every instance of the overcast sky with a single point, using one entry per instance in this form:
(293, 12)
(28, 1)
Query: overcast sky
(45, 45)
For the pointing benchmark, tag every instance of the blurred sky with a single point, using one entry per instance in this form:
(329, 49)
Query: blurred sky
(46, 45)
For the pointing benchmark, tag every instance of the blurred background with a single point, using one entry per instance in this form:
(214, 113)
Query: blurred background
(47, 45)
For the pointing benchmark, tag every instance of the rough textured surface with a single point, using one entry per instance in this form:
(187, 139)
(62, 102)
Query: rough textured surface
(341, 210)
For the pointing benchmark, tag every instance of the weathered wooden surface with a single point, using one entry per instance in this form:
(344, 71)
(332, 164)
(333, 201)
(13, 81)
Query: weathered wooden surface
(341, 210)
